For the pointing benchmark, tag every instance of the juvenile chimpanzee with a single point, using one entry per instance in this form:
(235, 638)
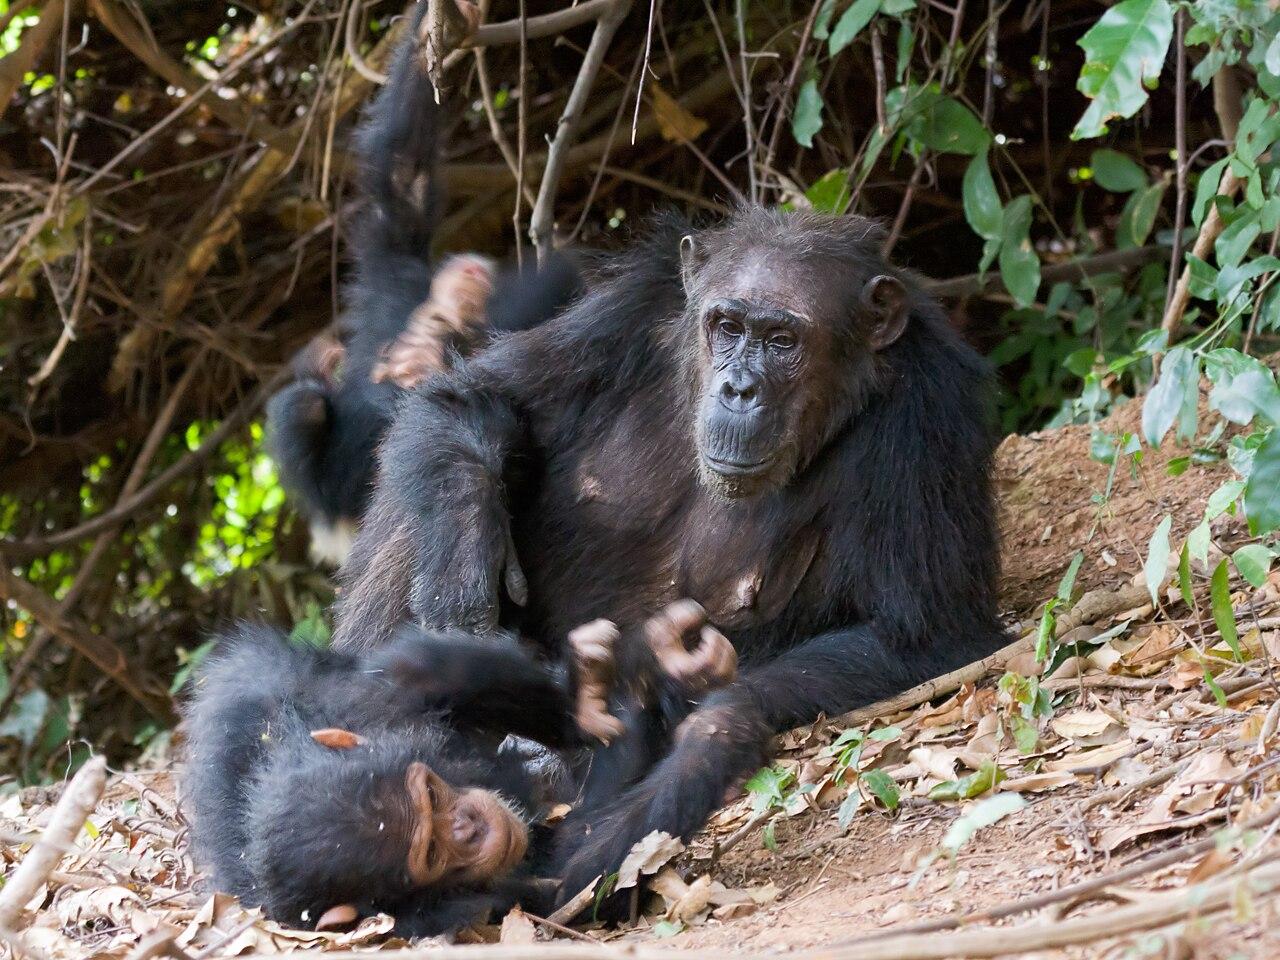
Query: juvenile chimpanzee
(404, 317)
(326, 786)
(764, 416)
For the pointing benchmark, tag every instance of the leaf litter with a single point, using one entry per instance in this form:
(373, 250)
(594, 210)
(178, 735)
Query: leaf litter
(1149, 735)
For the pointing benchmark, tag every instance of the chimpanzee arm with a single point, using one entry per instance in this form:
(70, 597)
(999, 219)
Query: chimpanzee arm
(489, 682)
(728, 737)
(436, 547)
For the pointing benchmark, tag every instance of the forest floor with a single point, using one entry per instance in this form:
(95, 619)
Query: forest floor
(1134, 789)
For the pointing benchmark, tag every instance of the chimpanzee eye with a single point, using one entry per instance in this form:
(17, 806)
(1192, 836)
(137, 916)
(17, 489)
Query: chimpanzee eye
(782, 340)
(729, 328)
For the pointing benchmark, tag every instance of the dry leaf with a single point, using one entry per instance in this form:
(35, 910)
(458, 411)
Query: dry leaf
(1039, 782)
(674, 121)
(1088, 759)
(336, 738)
(518, 928)
(1082, 724)
(648, 857)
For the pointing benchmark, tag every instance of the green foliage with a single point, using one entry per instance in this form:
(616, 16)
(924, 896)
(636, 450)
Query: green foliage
(1124, 51)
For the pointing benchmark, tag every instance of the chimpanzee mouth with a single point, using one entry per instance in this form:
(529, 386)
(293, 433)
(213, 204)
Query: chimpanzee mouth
(738, 468)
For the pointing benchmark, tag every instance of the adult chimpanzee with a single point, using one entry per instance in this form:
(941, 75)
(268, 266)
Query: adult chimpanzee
(765, 416)
(328, 786)
(404, 316)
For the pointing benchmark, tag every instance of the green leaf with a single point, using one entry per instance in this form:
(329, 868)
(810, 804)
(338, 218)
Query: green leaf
(1068, 583)
(882, 787)
(849, 807)
(1155, 571)
(1140, 214)
(769, 837)
(1184, 577)
(1124, 50)
(1019, 265)
(822, 23)
(1179, 378)
(1117, 172)
(806, 119)
(1262, 489)
(830, 193)
(1207, 189)
(667, 928)
(1215, 688)
(1223, 615)
(1234, 241)
(895, 7)
(885, 733)
(981, 201)
(981, 781)
(1254, 562)
(1198, 543)
(1223, 498)
(1044, 635)
(948, 126)
(851, 23)
(984, 814)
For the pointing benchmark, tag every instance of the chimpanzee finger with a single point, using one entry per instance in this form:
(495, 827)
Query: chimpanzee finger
(665, 632)
(716, 657)
(513, 576)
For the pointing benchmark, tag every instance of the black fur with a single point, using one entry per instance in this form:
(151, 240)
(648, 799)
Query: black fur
(575, 444)
(322, 433)
(281, 821)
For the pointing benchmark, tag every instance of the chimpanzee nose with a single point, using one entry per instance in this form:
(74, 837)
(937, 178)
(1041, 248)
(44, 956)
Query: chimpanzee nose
(738, 392)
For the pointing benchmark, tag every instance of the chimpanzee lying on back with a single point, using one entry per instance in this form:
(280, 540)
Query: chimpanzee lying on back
(327, 786)
(405, 316)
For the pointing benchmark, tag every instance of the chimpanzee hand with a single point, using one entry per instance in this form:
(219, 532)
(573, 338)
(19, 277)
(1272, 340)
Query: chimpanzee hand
(592, 648)
(712, 662)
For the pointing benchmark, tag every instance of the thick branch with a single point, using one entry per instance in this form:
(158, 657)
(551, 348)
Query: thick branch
(542, 220)
(73, 808)
(19, 551)
(1116, 260)
(100, 651)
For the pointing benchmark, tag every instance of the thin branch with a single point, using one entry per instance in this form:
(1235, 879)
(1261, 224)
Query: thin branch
(123, 24)
(1180, 148)
(542, 220)
(1079, 269)
(495, 128)
(748, 121)
(78, 799)
(98, 650)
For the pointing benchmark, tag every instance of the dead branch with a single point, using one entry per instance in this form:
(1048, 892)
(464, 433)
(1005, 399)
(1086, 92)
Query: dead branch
(18, 64)
(178, 288)
(74, 806)
(542, 219)
(1093, 606)
(97, 649)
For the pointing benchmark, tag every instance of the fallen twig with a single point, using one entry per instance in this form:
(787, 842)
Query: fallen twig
(76, 803)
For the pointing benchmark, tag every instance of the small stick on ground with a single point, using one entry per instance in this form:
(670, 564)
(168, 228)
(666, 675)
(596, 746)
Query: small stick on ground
(74, 806)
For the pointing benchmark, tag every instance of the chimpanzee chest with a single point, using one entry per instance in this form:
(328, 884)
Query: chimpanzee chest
(618, 535)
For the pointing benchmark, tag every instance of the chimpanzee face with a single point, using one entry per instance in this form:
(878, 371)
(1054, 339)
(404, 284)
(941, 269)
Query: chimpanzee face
(785, 343)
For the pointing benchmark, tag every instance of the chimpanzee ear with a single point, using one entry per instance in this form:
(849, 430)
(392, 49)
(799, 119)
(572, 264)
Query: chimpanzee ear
(689, 261)
(884, 299)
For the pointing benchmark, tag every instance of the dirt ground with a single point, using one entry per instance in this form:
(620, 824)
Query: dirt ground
(1140, 762)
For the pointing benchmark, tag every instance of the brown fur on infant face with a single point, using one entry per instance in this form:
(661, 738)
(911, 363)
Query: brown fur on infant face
(453, 314)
